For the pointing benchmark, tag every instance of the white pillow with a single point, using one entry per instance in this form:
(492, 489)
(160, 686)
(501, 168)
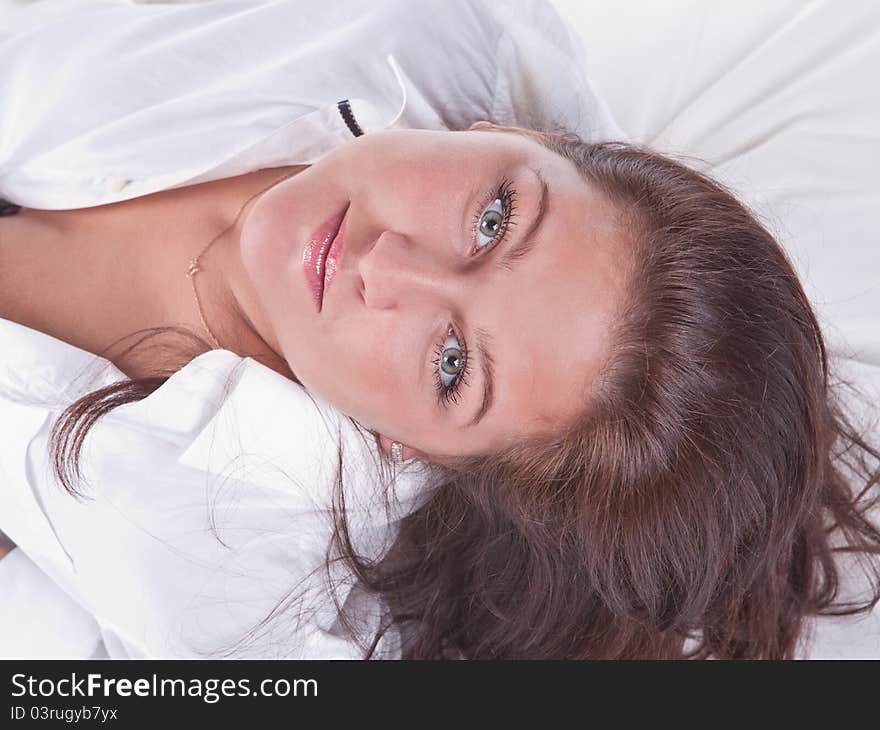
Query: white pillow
(780, 101)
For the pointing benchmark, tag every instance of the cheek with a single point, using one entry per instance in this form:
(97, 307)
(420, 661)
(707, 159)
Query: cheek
(363, 377)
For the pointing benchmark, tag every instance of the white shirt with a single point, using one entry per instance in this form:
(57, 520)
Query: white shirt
(110, 101)
(182, 94)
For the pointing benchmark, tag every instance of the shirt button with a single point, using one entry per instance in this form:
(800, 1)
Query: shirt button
(115, 184)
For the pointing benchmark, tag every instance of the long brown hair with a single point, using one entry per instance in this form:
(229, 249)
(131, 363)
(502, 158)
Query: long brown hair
(704, 494)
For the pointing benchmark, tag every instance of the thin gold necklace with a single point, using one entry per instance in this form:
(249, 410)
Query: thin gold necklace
(195, 264)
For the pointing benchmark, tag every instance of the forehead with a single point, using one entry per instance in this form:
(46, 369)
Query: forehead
(560, 302)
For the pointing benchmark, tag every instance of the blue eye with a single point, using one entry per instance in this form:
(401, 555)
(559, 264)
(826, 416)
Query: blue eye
(450, 362)
(492, 221)
(450, 366)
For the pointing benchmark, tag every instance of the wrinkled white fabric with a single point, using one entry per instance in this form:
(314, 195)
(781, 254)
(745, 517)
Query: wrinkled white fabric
(181, 94)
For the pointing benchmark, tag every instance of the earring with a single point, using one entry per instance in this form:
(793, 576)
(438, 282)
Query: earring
(397, 452)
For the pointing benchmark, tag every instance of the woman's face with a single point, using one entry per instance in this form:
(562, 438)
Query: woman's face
(432, 216)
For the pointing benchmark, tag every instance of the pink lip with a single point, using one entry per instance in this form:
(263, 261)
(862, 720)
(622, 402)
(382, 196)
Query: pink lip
(322, 253)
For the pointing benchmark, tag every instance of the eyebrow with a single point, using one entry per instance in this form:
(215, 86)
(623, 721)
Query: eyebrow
(511, 255)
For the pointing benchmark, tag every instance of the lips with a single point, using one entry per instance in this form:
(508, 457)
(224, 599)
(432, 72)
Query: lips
(334, 254)
(321, 255)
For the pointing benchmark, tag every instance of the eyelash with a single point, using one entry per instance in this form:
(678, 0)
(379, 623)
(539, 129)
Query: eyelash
(506, 193)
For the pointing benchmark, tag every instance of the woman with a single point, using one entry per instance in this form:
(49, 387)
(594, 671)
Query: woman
(665, 464)
(659, 464)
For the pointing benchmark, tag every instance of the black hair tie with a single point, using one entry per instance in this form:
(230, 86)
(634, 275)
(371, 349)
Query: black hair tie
(348, 117)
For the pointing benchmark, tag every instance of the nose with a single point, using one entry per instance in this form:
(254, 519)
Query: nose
(398, 270)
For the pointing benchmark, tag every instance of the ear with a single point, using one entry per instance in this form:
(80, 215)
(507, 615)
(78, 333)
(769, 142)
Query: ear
(522, 131)
(408, 453)
(488, 126)
(482, 125)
